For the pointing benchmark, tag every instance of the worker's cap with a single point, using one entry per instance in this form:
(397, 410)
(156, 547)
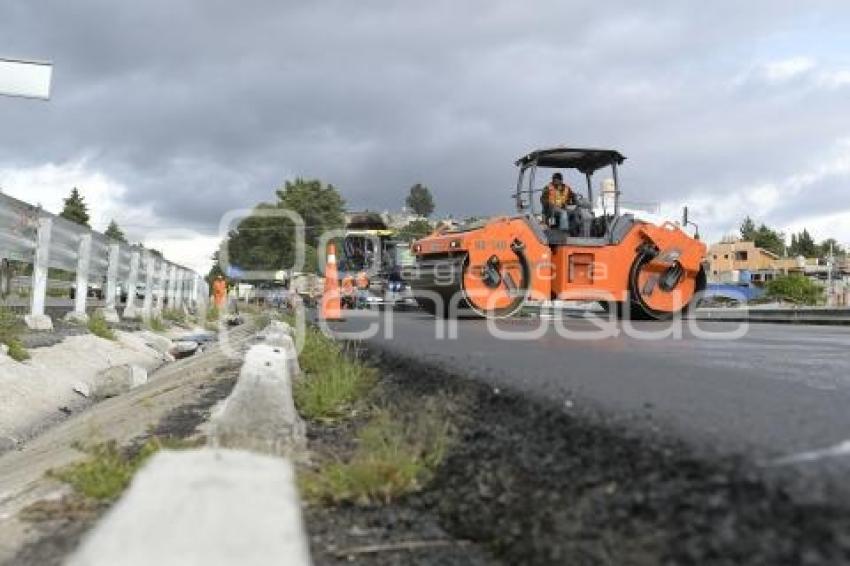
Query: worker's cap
(557, 177)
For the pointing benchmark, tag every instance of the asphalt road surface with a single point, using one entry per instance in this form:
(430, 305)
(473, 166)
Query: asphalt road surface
(778, 395)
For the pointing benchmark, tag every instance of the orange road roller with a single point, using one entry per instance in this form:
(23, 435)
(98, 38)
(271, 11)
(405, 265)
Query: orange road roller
(572, 247)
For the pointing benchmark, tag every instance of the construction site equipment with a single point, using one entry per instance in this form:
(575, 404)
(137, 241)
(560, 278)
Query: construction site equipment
(370, 246)
(632, 267)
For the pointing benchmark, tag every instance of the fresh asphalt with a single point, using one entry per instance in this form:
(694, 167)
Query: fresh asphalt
(776, 395)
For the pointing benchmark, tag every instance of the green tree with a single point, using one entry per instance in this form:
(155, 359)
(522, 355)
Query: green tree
(215, 268)
(266, 240)
(796, 288)
(415, 230)
(75, 209)
(803, 244)
(114, 232)
(770, 240)
(420, 200)
(831, 243)
(748, 230)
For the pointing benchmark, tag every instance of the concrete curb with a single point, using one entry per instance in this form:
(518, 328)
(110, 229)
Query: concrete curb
(216, 505)
(259, 414)
(812, 315)
(203, 507)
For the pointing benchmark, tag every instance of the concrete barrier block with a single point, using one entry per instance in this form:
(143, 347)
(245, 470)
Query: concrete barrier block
(38, 322)
(280, 335)
(116, 380)
(260, 413)
(205, 507)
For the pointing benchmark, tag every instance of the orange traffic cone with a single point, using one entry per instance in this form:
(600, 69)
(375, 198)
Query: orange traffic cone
(331, 307)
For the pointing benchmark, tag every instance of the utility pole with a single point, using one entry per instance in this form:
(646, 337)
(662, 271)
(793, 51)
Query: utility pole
(830, 260)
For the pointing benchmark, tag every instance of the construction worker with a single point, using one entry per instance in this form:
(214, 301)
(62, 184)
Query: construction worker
(557, 195)
(347, 291)
(362, 289)
(219, 292)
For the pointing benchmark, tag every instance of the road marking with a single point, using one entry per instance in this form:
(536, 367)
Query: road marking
(837, 450)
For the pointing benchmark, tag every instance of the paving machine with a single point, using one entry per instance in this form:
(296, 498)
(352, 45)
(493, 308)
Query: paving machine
(633, 267)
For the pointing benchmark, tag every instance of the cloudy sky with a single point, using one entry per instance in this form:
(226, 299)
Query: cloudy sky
(167, 114)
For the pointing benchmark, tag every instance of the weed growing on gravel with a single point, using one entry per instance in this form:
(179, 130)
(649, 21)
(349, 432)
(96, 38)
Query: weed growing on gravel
(16, 350)
(107, 471)
(176, 316)
(332, 382)
(10, 330)
(213, 314)
(155, 324)
(395, 455)
(97, 325)
(262, 320)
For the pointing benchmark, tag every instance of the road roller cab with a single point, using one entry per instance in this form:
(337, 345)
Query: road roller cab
(639, 268)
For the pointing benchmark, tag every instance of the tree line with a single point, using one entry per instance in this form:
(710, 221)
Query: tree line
(76, 210)
(802, 243)
(265, 240)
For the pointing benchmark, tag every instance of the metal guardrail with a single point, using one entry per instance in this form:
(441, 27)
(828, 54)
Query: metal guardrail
(36, 241)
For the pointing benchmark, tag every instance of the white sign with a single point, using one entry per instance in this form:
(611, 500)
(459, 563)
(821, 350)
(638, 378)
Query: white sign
(25, 78)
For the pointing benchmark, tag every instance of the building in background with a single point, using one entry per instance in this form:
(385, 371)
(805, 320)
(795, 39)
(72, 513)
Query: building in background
(739, 262)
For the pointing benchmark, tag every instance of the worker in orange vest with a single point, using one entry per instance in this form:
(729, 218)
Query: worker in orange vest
(347, 291)
(219, 292)
(362, 289)
(556, 196)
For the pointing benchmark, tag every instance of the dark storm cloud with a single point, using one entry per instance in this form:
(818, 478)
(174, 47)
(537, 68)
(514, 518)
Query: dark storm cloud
(199, 107)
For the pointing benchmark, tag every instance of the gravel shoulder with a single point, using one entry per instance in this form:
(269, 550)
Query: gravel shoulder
(530, 483)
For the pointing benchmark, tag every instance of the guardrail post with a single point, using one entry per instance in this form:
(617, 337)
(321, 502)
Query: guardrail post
(178, 280)
(195, 299)
(109, 312)
(169, 290)
(185, 296)
(147, 302)
(81, 289)
(163, 285)
(132, 283)
(36, 319)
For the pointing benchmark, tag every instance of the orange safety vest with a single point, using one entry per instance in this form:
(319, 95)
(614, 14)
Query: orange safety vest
(219, 292)
(362, 281)
(558, 197)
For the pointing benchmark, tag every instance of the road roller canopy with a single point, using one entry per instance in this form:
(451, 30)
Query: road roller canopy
(585, 160)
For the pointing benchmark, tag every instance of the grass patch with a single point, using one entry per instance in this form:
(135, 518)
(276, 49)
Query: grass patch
(10, 330)
(262, 320)
(213, 314)
(395, 455)
(176, 316)
(332, 382)
(16, 350)
(156, 324)
(108, 470)
(97, 325)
